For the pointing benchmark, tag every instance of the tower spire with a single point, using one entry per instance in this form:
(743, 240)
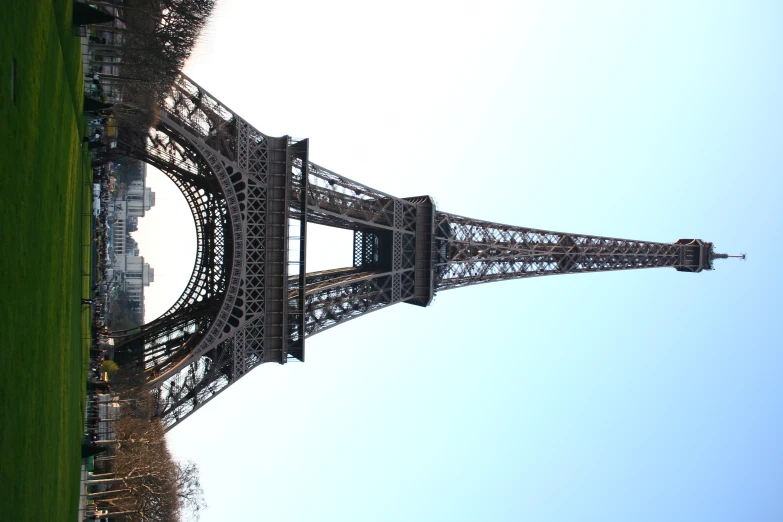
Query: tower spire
(715, 255)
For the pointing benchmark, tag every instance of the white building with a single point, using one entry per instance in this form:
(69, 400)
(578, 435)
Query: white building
(128, 268)
(139, 198)
(136, 200)
(134, 274)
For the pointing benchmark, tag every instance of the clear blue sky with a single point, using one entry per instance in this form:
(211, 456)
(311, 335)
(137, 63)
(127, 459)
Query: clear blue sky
(646, 395)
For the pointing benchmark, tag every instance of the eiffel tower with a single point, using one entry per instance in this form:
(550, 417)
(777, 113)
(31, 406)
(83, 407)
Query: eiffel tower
(250, 299)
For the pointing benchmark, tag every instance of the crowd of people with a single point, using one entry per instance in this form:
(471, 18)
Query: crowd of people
(97, 383)
(98, 302)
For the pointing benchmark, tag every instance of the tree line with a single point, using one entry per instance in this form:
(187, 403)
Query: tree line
(148, 50)
(135, 474)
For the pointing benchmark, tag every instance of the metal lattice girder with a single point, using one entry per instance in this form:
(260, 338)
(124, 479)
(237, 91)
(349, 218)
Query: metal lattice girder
(365, 248)
(333, 303)
(186, 391)
(325, 275)
(204, 116)
(173, 344)
(334, 200)
(470, 251)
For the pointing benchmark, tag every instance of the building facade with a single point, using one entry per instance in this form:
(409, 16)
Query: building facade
(129, 271)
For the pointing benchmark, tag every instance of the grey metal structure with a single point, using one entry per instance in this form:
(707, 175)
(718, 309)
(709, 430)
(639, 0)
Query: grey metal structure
(250, 299)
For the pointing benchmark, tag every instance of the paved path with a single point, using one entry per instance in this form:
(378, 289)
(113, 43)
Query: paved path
(82, 494)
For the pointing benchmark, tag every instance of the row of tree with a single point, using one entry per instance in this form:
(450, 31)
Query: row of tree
(137, 478)
(148, 50)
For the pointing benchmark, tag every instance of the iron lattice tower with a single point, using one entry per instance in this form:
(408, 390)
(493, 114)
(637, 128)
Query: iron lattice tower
(250, 299)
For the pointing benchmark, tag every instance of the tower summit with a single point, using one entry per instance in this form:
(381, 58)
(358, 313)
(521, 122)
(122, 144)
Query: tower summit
(250, 298)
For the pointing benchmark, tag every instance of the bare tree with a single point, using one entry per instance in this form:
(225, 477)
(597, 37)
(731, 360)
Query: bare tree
(141, 479)
(189, 490)
(158, 36)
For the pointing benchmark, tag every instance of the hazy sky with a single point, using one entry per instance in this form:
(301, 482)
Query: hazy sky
(645, 395)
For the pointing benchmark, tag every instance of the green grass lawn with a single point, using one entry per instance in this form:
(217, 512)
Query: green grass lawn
(43, 230)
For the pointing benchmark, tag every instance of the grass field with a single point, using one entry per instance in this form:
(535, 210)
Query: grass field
(44, 200)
